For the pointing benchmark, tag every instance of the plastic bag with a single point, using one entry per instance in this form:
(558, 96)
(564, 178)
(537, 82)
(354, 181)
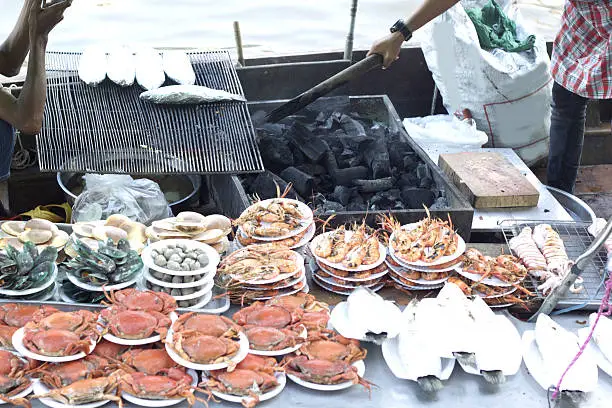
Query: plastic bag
(140, 200)
(509, 94)
(445, 130)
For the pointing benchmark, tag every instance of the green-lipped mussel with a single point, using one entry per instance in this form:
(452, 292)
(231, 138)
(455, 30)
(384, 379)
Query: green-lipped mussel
(26, 269)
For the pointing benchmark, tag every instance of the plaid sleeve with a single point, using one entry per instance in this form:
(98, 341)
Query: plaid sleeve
(582, 50)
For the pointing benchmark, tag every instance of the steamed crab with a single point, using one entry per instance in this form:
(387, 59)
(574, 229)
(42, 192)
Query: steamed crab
(16, 315)
(205, 340)
(315, 315)
(12, 379)
(61, 333)
(175, 383)
(138, 314)
(252, 376)
(63, 374)
(323, 371)
(262, 315)
(148, 361)
(329, 346)
(86, 391)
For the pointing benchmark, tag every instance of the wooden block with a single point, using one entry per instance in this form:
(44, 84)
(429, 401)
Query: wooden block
(489, 180)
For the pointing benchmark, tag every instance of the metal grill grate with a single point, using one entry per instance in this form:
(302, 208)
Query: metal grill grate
(108, 129)
(576, 239)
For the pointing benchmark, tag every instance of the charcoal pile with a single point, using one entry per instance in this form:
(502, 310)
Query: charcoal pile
(343, 162)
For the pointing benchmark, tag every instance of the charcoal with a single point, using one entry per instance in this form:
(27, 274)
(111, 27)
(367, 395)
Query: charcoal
(313, 147)
(265, 184)
(426, 182)
(396, 157)
(342, 194)
(409, 163)
(276, 129)
(352, 127)
(357, 204)
(374, 186)
(312, 169)
(422, 171)
(378, 132)
(440, 203)
(331, 206)
(377, 158)
(302, 182)
(415, 197)
(408, 180)
(333, 121)
(275, 151)
(299, 158)
(346, 177)
(330, 163)
(355, 160)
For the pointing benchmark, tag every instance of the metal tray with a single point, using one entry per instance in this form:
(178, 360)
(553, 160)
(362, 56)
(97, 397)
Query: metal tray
(576, 239)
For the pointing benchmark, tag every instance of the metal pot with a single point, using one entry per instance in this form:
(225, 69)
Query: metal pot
(578, 209)
(175, 206)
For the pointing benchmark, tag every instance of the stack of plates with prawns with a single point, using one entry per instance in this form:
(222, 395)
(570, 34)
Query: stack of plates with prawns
(422, 255)
(347, 259)
(284, 222)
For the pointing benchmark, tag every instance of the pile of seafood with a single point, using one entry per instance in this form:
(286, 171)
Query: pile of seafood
(422, 255)
(28, 274)
(211, 229)
(288, 223)
(137, 315)
(452, 328)
(347, 258)
(543, 253)
(111, 266)
(184, 269)
(41, 233)
(430, 242)
(494, 279)
(261, 272)
(115, 227)
(280, 325)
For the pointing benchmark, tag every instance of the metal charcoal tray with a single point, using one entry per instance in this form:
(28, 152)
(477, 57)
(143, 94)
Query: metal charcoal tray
(576, 239)
(228, 189)
(100, 129)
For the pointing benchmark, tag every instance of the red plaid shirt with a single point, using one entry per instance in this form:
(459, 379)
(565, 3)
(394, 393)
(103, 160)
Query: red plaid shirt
(582, 52)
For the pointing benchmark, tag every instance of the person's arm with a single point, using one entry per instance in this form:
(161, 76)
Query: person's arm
(26, 112)
(389, 46)
(16, 46)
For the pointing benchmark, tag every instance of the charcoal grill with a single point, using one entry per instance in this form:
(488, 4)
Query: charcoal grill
(380, 109)
(102, 129)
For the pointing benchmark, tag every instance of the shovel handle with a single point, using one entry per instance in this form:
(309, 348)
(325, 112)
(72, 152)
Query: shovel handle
(325, 87)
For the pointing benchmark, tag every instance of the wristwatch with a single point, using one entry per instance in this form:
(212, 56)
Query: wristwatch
(401, 27)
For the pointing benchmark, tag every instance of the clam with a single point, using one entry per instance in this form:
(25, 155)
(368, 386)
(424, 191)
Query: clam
(13, 228)
(136, 231)
(190, 216)
(211, 236)
(70, 251)
(83, 229)
(103, 233)
(167, 224)
(59, 240)
(190, 227)
(36, 236)
(14, 242)
(91, 243)
(151, 234)
(40, 224)
(222, 246)
(218, 221)
(163, 234)
(117, 220)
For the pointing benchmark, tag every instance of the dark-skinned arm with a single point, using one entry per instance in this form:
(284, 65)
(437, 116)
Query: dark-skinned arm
(16, 46)
(389, 46)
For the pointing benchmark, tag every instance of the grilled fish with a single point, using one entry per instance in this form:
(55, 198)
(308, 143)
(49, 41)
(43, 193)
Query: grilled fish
(188, 95)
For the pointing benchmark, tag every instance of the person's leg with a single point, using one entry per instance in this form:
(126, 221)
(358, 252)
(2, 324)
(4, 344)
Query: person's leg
(566, 138)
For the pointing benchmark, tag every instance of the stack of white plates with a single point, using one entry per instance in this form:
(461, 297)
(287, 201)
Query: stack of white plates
(190, 286)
